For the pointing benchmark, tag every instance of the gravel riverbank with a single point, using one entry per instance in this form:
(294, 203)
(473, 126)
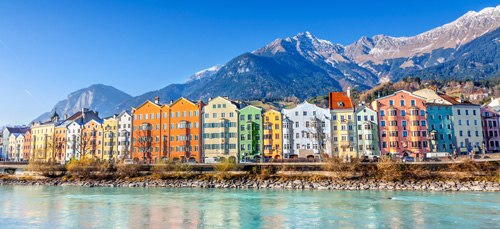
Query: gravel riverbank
(271, 184)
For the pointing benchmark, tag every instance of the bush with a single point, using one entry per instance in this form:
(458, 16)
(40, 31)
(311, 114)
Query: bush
(339, 168)
(86, 166)
(388, 169)
(223, 169)
(163, 167)
(128, 170)
(48, 169)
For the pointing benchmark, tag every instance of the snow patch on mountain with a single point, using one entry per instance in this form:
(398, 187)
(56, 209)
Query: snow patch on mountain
(204, 73)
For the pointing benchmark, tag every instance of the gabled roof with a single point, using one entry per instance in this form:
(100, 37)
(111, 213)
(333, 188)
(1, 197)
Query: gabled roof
(185, 99)
(123, 113)
(17, 129)
(407, 92)
(146, 102)
(340, 100)
(251, 106)
(93, 120)
(454, 100)
(272, 110)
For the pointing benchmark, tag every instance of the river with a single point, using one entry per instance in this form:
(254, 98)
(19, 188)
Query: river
(79, 207)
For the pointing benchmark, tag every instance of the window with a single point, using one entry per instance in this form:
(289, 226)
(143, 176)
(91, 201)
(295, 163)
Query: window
(382, 113)
(382, 123)
(473, 112)
(413, 102)
(403, 122)
(403, 112)
(458, 111)
(466, 112)
(422, 123)
(402, 102)
(422, 113)
(391, 102)
(359, 118)
(304, 113)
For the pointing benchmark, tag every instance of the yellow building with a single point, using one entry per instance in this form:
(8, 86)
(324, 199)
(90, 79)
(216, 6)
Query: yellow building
(42, 141)
(343, 124)
(92, 139)
(110, 129)
(273, 144)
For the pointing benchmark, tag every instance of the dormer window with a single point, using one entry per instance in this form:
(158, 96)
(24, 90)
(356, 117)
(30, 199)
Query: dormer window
(341, 104)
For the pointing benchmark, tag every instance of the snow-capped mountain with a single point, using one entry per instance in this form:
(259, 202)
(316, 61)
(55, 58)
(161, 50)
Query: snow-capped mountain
(305, 65)
(452, 35)
(203, 74)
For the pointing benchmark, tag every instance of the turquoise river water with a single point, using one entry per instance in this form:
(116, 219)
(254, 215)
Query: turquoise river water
(79, 207)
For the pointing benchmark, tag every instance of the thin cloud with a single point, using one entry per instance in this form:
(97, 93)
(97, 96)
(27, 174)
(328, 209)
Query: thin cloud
(36, 100)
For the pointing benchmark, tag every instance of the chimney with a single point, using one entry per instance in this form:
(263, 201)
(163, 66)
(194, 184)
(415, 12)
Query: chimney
(209, 99)
(65, 116)
(157, 100)
(225, 97)
(348, 92)
(171, 101)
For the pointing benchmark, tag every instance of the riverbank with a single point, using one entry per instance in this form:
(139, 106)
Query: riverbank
(269, 184)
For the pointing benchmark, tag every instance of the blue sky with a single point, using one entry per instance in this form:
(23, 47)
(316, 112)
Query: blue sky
(51, 48)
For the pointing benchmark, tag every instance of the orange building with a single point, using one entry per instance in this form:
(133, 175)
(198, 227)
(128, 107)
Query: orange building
(150, 132)
(185, 130)
(60, 143)
(27, 145)
(92, 139)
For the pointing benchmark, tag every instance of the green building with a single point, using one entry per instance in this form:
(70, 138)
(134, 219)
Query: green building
(250, 133)
(441, 131)
(367, 139)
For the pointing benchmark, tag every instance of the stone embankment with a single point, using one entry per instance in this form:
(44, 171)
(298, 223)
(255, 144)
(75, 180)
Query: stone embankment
(270, 184)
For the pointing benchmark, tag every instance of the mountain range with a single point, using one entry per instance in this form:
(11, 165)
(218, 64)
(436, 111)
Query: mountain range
(305, 66)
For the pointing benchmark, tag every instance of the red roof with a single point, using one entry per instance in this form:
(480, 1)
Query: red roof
(75, 116)
(455, 101)
(340, 100)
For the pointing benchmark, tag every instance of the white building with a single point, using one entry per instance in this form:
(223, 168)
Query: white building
(302, 137)
(124, 134)
(73, 141)
(466, 123)
(16, 146)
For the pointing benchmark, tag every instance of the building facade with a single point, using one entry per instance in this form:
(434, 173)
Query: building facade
(306, 131)
(441, 132)
(343, 124)
(250, 134)
(490, 123)
(27, 146)
(367, 139)
(110, 138)
(91, 140)
(220, 130)
(272, 135)
(185, 130)
(402, 124)
(150, 132)
(124, 135)
(466, 125)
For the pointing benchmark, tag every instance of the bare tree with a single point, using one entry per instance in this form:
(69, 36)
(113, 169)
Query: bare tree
(317, 131)
(144, 143)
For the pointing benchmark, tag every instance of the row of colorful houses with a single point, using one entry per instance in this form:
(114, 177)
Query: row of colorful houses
(402, 124)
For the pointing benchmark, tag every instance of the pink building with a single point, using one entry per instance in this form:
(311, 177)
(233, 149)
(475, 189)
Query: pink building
(402, 119)
(489, 120)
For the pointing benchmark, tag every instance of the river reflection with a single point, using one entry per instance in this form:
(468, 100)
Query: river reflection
(78, 207)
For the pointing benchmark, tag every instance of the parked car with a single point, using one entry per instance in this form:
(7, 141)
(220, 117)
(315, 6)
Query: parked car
(408, 159)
